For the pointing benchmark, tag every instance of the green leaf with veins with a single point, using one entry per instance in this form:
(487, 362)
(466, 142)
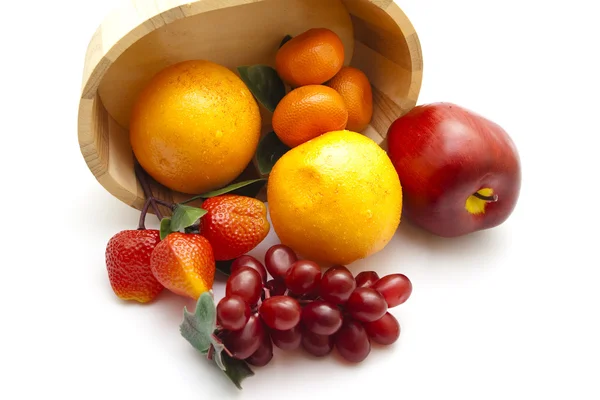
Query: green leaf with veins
(198, 327)
(185, 216)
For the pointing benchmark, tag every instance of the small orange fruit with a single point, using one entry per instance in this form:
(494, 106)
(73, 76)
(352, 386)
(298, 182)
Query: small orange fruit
(355, 88)
(234, 225)
(184, 264)
(307, 112)
(311, 58)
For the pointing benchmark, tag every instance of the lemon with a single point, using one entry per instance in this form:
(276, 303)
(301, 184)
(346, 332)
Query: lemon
(336, 198)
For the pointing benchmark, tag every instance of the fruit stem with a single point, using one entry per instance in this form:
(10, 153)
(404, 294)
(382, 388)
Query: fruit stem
(490, 199)
(141, 176)
(165, 203)
(142, 223)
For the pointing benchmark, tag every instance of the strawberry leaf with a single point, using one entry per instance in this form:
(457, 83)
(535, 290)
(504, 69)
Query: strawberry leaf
(236, 370)
(270, 149)
(198, 327)
(264, 83)
(185, 216)
(165, 227)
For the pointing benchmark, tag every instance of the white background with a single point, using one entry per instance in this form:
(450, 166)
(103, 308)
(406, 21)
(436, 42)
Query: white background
(510, 313)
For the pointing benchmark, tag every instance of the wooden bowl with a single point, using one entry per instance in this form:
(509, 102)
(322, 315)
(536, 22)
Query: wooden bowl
(142, 37)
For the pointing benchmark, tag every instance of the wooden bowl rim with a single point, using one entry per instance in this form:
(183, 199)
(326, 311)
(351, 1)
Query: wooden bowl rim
(100, 56)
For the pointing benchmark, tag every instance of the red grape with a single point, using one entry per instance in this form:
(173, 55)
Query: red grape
(303, 277)
(317, 345)
(322, 318)
(264, 354)
(279, 259)
(287, 340)
(251, 262)
(366, 304)
(352, 341)
(246, 283)
(395, 288)
(244, 342)
(276, 287)
(386, 330)
(337, 285)
(366, 279)
(233, 312)
(280, 312)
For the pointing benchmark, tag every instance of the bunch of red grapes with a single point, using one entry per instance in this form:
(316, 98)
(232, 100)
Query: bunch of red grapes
(301, 307)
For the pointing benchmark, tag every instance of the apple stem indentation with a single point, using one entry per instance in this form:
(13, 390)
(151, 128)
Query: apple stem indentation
(490, 199)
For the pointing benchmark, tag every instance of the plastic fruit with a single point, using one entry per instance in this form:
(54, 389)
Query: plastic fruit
(385, 330)
(352, 341)
(337, 285)
(234, 225)
(303, 277)
(246, 283)
(460, 172)
(287, 340)
(128, 265)
(307, 112)
(249, 261)
(321, 317)
(279, 259)
(233, 312)
(366, 305)
(310, 58)
(395, 288)
(354, 87)
(244, 342)
(366, 279)
(318, 203)
(280, 312)
(184, 264)
(195, 126)
(317, 345)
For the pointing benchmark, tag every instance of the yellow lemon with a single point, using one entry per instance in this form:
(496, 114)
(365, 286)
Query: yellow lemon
(195, 126)
(336, 198)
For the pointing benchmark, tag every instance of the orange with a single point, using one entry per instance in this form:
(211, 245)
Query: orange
(184, 264)
(234, 225)
(311, 58)
(307, 112)
(355, 88)
(335, 199)
(195, 126)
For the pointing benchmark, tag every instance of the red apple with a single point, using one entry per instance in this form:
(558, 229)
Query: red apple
(460, 172)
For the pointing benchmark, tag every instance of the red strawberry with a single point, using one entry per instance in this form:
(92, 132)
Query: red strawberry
(234, 225)
(128, 264)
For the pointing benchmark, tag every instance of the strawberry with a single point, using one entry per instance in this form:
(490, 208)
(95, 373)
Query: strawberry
(184, 264)
(128, 265)
(234, 225)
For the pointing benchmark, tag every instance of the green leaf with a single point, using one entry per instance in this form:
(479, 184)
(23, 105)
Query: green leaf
(264, 83)
(198, 328)
(270, 149)
(231, 188)
(185, 216)
(165, 227)
(236, 370)
(286, 39)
